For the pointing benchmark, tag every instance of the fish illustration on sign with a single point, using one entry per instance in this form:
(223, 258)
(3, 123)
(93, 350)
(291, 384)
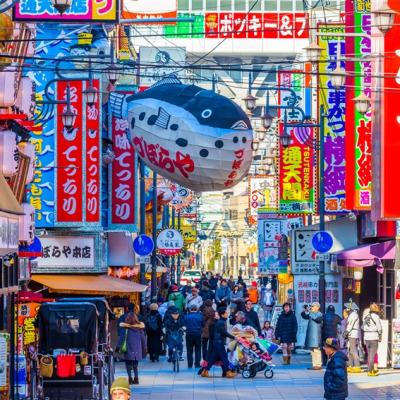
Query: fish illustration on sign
(192, 136)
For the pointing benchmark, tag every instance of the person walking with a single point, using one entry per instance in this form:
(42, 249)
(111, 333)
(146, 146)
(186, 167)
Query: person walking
(223, 294)
(206, 293)
(194, 323)
(194, 299)
(286, 331)
(335, 377)
(177, 297)
(314, 333)
(154, 333)
(134, 337)
(372, 328)
(267, 301)
(219, 351)
(252, 317)
(209, 318)
(352, 334)
(330, 327)
(173, 329)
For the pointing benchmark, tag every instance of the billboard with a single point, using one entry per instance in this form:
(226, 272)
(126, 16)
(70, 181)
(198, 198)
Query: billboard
(123, 177)
(358, 126)
(296, 176)
(80, 11)
(334, 101)
(262, 195)
(386, 140)
(148, 9)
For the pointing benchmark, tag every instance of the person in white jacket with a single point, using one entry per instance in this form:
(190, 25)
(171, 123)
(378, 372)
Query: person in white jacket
(372, 329)
(194, 299)
(352, 334)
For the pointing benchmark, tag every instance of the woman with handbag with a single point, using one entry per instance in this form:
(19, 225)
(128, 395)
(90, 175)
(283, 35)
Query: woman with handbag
(286, 331)
(132, 344)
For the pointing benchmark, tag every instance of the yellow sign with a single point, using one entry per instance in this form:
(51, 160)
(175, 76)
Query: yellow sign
(189, 234)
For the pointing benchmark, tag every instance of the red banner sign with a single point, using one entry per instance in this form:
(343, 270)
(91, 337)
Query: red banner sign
(256, 25)
(386, 190)
(69, 157)
(122, 176)
(296, 178)
(93, 145)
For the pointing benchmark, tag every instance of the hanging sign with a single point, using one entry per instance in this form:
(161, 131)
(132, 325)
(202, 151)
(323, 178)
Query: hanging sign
(146, 9)
(8, 153)
(169, 242)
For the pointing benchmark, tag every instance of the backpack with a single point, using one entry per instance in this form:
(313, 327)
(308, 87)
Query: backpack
(367, 322)
(152, 323)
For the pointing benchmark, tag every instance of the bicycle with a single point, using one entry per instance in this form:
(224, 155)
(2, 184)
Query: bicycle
(177, 339)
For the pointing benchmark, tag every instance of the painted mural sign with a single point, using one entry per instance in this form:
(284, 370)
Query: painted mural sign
(358, 126)
(333, 46)
(296, 162)
(80, 11)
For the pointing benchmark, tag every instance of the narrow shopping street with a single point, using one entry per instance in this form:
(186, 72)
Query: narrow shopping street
(157, 381)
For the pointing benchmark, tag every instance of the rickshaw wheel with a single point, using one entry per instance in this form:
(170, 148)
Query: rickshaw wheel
(269, 373)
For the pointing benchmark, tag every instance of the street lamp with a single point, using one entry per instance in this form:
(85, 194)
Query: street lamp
(255, 145)
(68, 118)
(250, 102)
(362, 103)
(266, 120)
(261, 132)
(61, 5)
(313, 52)
(286, 139)
(90, 94)
(112, 73)
(383, 18)
(338, 77)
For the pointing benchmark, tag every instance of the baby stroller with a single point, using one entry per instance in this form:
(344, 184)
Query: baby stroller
(256, 357)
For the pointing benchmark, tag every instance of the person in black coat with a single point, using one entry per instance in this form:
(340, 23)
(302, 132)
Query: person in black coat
(252, 317)
(335, 378)
(286, 331)
(154, 333)
(330, 325)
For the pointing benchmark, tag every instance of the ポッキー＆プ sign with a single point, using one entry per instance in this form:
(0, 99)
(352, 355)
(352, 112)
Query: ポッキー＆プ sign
(80, 11)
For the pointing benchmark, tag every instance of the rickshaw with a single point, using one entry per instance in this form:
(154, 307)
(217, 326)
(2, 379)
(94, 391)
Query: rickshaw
(74, 356)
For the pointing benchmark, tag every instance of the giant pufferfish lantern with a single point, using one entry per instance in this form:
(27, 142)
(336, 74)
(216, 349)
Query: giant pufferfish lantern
(192, 136)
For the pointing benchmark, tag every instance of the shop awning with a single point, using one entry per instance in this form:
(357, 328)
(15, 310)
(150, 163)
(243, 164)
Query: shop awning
(88, 284)
(366, 255)
(8, 202)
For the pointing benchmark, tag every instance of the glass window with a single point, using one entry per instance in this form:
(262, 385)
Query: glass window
(226, 5)
(299, 5)
(286, 5)
(240, 5)
(197, 5)
(255, 5)
(270, 5)
(211, 5)
(183, 5)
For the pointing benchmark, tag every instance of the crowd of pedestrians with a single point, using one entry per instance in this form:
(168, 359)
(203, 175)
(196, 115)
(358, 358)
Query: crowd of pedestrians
(205, 310)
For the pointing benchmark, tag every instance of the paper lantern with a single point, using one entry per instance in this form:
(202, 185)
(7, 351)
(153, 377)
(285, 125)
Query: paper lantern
(194, 137)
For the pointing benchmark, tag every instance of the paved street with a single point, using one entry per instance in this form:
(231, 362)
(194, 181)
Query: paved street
(157, 381)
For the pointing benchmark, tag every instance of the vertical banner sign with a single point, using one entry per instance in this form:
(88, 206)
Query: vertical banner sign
(296, 185)
(122, 176)
(358, 127)
(386, 189)
(69, 157)
(93, 165)
(262, 196)
(334, 101)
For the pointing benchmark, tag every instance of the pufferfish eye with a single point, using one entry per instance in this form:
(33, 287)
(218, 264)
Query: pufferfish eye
(206, 113)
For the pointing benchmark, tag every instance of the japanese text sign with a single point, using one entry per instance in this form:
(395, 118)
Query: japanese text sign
(69, 157)
(80, 10)
(254, 25)
(169, 242)
(67, 253)
(386, 126)
(333, 45)
(262, 195)
(93, 166)
(358, 126)
(148, 9)
(122, 176)
(296, 186)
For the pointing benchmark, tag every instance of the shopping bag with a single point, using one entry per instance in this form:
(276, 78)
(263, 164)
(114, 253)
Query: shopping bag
(124, 345)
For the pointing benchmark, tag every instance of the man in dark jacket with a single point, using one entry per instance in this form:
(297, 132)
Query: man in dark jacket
(330, 324)
(214, 282)
(219, 351)
(206, 293)
(223, 294)
(194, 323)
(252, 317)
(335, 378)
